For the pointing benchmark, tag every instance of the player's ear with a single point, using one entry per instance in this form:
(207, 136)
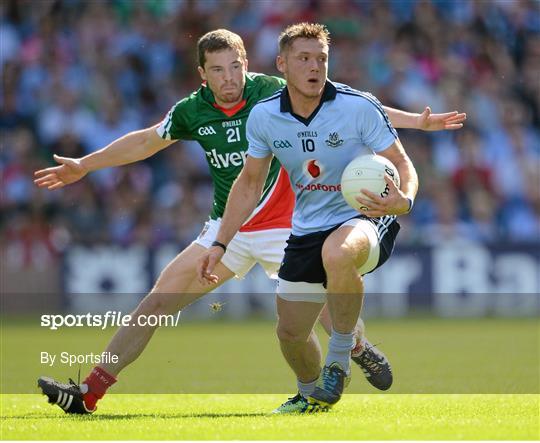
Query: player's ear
(246, 64)
(202, 73)
(280, 64)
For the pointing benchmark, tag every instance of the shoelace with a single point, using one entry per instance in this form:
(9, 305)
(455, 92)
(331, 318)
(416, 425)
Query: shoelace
(78, 384)
(371, 359)
(294, 399)
(331, 378)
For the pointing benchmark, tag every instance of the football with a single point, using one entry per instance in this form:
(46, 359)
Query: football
(366, 172)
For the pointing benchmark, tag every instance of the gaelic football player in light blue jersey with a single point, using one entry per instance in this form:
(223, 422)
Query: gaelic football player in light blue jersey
(315, 128)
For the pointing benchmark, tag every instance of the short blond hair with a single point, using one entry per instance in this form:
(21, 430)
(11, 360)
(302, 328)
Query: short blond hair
(303, 30)
(219, 40)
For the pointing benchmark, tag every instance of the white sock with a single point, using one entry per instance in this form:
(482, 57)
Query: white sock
(306, 389)
(339, 350)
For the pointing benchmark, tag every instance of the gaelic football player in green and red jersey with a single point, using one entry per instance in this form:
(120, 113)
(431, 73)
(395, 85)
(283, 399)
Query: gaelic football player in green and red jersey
(215, 116)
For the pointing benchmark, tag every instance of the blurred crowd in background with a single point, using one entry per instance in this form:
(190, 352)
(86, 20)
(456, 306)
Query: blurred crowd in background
(76, 74)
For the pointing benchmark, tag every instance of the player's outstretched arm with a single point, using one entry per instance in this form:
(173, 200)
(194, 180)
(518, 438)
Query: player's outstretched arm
(243, 198)
(426, 121)
(130, 148)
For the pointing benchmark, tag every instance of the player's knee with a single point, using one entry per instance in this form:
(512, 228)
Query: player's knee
(342, 258)
(154, 304)
(289, 334)
(338, 259)
(174, 279)
(168, 287)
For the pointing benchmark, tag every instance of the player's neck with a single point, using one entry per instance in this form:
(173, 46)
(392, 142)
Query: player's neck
(229, 112)
(302, 105)
(227, 105)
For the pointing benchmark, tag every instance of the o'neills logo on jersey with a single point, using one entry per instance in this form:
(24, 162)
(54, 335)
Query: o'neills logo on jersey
(318, 187)
(227, 159)
(206, 130)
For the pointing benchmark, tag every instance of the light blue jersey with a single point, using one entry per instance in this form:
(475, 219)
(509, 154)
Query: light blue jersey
(315, 151)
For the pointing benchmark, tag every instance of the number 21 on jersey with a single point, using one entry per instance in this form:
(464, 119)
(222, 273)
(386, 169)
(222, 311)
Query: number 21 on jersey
(233, 135)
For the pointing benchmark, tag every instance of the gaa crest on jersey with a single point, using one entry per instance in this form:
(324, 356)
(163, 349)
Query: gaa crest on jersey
(206, 130)
(282, 144)
(334, 140)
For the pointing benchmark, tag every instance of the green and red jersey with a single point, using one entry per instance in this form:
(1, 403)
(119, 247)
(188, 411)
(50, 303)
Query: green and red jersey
(222, 135)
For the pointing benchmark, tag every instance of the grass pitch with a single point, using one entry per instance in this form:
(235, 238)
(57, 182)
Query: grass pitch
(245, 417)
(428, 356)
(472, 379)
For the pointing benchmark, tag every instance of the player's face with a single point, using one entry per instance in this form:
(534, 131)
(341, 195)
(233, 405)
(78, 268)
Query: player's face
(224, 72)
(305, 66)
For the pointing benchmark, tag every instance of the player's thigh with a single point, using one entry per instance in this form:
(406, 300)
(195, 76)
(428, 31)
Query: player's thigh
(238, 257)
(296, 318)
(178, 286)
(347, 244)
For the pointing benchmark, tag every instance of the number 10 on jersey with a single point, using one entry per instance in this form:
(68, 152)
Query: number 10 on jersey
(308, 145)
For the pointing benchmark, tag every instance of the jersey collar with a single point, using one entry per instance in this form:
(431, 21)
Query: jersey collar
(229, 112)
(329, 93)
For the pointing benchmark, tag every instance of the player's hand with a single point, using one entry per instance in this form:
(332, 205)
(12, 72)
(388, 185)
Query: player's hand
(395, 203)
(207, 263)
(69, 171)
(438, 122)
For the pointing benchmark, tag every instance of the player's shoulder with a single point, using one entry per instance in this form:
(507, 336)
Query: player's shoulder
(264, 80)
(262, 86)
(267, 106)
(348, 93)
(270, 102)
(189, 102)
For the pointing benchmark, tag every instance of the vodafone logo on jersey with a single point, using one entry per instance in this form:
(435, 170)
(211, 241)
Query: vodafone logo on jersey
(313, 168)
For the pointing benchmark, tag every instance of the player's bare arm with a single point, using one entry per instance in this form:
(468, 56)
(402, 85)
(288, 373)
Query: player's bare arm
(426, 121)
(398, 201)
(243, 198)
(130, 148)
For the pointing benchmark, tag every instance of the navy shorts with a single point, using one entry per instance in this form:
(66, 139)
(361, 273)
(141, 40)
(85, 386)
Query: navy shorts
(302, 261)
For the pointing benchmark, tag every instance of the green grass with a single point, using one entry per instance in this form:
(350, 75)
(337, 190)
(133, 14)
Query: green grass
(245, 417)
(431, 356)
(219, 380)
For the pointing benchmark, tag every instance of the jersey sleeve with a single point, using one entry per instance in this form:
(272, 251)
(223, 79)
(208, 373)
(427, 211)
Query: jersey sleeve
(174, 125)
(374, 125)
(258, 146)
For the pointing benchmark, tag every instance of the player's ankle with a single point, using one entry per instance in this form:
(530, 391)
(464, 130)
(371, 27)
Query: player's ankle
(95, 386)
(361, 343)
(358, 349)
(90, 401)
